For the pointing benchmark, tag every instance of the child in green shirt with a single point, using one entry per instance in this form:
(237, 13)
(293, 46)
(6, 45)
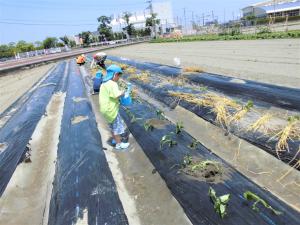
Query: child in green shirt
(109, 104)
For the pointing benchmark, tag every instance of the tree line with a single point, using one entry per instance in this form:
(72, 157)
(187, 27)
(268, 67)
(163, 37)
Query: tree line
(105, 34)
(12, 49)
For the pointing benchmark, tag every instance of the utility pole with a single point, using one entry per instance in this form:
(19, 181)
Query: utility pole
(193, 16)
(151, 12)
(185, 26)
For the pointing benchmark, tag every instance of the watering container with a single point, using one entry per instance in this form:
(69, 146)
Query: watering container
(126, 100)
(97, 81)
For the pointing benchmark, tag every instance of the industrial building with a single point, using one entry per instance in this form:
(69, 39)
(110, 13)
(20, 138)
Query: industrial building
(138, 19)
(277, 8)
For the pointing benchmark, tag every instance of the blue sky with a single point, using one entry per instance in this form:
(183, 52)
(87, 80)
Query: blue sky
(60, 17)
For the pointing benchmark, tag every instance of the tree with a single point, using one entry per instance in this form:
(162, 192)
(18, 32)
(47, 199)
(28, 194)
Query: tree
(86, 37)
(65, 40)
(129, 28)
(61, 44)
(50, 42)
(38, 45)
(7, 51)
(72, 43)
(23, 46)
(151, 22)
(104, 27)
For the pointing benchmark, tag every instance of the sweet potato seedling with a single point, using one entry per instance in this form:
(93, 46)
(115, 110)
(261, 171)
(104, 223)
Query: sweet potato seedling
(148, 126)
(179, 127)
(241, 113)
(203, 88)
(250, 196)
(203, 164)
(194, 144)
(134, 119)
(220, 203)
(167, 139)
(187, 160)
(160, 114)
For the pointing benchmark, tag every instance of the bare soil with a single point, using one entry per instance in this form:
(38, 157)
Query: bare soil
(14, 84)
(270, 61)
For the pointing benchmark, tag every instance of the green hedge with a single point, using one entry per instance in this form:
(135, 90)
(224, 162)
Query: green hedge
(216, 37)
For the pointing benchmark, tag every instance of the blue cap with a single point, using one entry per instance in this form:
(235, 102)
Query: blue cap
(111, 71)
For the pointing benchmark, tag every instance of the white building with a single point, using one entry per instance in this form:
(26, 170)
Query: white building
(274, 7)
(138, 19)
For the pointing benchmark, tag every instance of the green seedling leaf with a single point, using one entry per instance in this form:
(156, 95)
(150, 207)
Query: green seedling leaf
(250, 196)
(194, 144)
(167, 139)
(160, 114)
(292, 119)
(224, 198)
(134, 119)
(187, 160)
(148, 126)
(179, 127)
(220, 203)
(249, 105)
(204, 164)
(203, 88)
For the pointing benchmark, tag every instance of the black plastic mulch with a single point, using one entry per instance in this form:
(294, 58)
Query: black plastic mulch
(17, 132)
(262, 141)
(191, 192)
(284, 97)
(83, 181)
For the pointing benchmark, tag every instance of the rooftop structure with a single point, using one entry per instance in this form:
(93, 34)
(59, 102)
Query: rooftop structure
(138, 19)
(275, 7)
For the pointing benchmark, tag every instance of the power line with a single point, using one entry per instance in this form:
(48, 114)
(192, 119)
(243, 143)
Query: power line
(52, 6)
(47, 24)
(44, 21)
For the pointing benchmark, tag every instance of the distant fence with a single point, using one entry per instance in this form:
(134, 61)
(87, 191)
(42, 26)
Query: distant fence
(49, 51)
(218, 29)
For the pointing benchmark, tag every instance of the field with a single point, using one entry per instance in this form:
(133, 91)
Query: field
(206, 148)
(270, 61)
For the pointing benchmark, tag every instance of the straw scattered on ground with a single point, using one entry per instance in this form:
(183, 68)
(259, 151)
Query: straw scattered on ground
(242, 112)
(131, 70)
(289, 132)
(192, 69)
(260, 123)
(143, 77)
(218, 103)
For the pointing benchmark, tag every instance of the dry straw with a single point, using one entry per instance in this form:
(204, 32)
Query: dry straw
(289, 132)
(260, 123)
(178, 81)
(192, 69)
(219, 104)
(144, 77)
(131, 70)
(242, 112)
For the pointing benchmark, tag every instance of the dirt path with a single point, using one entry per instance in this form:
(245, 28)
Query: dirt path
(16, 83)
(270, 61)
(29, 190)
